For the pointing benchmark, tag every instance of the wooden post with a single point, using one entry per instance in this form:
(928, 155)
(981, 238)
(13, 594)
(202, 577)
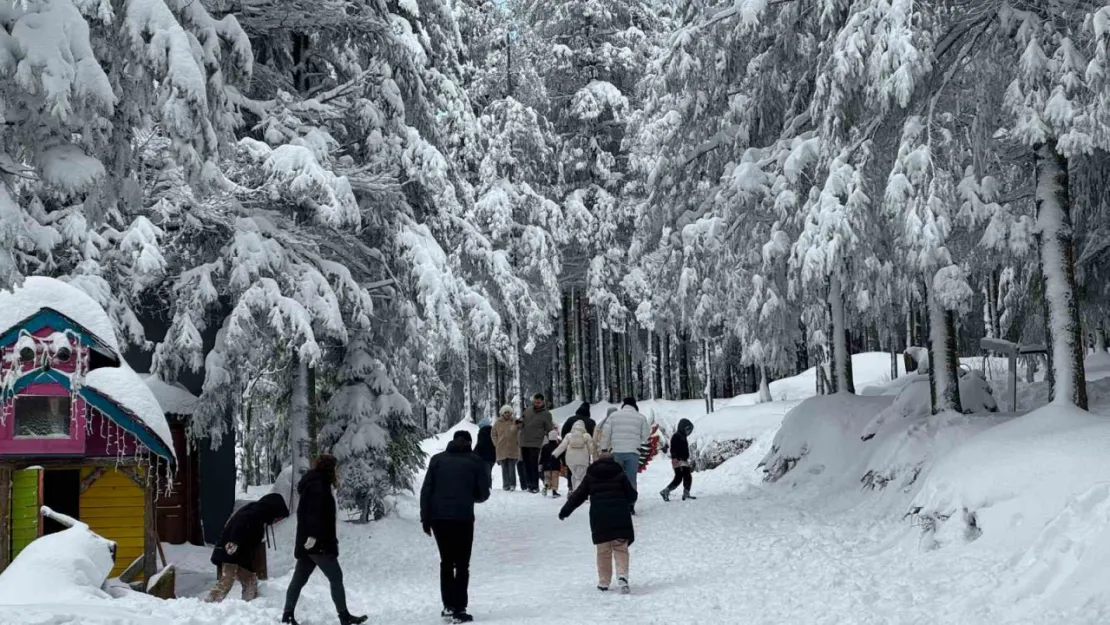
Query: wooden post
(5, 517)
(150, 524)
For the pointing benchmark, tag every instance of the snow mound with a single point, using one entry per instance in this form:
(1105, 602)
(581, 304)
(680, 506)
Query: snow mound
(868, 370)
(65, 567)
(438, 443)
(1067, 561)
(1011, 480)
(914, 400)
(38, 292)
(1097, 365)
(821, 435)
(174, 399)
(126, 388)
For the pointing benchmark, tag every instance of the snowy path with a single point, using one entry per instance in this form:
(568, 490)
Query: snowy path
(740, 554)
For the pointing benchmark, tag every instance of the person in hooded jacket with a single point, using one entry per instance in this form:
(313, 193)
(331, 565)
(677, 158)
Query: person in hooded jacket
(611, 499)
(317, 542)
(240, 540)
(456, 480)
(582, 415)
(551, 464)
(680, 461)
(485, 448)
(578, 450)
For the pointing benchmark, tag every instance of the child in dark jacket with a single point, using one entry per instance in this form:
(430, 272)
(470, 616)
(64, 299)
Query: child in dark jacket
(611, 497)
(680, 461)
(550, 464)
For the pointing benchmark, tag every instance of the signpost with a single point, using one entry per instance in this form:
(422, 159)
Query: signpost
(1011, 350)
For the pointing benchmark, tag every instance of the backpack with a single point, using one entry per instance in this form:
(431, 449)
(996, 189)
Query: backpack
(577, 441)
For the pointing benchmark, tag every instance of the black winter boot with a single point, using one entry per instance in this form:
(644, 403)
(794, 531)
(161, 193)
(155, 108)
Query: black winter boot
(462, 617)
(347, 619)
(665, 494)
(686, 495)
(287, 619)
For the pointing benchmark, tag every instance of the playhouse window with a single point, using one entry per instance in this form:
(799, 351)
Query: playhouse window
(39, 416)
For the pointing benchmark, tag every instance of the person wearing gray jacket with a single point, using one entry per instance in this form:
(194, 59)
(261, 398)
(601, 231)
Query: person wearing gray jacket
(622, 434)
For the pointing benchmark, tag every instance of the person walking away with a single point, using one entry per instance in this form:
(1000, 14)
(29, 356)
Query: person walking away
(625, 430)
(611, 499)
(583, 415)
(240, 540)
(456, 480)
(535, 423)
(680, 461)
(578, 450)
(484, 448)
(506, 442)
(552, 466)
(317, 542)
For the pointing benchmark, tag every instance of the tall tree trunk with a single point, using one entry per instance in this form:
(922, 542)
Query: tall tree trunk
(1057, 259)
(708, 376)
(561, 364)
(516, 390)
(579, 350)
(603, 365)
(943, 358)
(665, 343)
(493, 402)
(656, 376)
(468, 385)
(1100, 339)
(994, 317)
(840, 372)
(298, 423)
(587, 350)
(313, 414)
(616, 377)
(684, 368)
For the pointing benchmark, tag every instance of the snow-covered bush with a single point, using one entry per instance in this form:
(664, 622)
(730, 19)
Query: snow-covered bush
(712, 454)
(913, 400)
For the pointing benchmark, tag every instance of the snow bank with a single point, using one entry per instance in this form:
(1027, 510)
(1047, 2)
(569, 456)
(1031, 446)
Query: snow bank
(868, 369)
(1011, 480)
(173, 398)
(69, 566)
(127, 389)
(821, 435)
(914, 400)
(438, 443)
(39, 292)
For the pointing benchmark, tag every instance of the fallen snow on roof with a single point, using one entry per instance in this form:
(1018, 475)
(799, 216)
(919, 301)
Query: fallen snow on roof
(38, 292)
(127, 389)
(173, 398)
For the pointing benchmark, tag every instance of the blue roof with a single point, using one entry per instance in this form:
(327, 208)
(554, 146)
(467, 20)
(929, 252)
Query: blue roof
(54, 320)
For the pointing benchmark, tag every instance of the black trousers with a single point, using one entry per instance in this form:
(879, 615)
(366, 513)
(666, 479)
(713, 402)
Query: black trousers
(684, 476)
(455, 540)
(530, 456)
(305, 567)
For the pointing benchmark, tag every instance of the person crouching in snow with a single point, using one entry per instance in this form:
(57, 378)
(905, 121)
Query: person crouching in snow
(680, 461)
(550, 464)
(578, 446)
(611, 497)
(240, 540)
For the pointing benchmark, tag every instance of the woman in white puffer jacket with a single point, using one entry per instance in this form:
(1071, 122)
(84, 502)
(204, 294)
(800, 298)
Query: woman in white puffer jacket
(579, 449)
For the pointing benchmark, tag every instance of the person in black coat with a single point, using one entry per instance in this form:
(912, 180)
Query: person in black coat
(550, 464)
(239, 543)
(680, 462)
(456, 480)
(317, 544)
(611, 498)
(485, 449)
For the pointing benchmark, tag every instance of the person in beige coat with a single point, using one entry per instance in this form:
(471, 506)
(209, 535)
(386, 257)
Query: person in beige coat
(579, 449)
(506, 440)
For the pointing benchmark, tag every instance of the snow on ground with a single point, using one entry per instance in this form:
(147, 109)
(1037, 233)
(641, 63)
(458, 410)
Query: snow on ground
(813, 549)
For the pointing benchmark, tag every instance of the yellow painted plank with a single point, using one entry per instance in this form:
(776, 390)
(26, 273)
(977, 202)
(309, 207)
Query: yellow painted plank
(126, 521)
(109, 502)
(89, 514)
(133, 543)
(118, 533)
(113, 491)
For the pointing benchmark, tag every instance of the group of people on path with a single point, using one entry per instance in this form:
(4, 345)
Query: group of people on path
(316, 545)
(602, 462)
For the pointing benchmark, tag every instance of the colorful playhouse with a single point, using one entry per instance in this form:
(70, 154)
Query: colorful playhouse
(80, 431)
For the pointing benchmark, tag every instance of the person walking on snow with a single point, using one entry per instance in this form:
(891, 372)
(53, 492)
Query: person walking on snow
(552, 467)
(578, 450)
(535, 423)
(625, 430)
(317, 543)
(456, 480)
(581, 415)
(506, 441)
(611, 499)
(680, 461)
(484, 448)
(239, 543)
